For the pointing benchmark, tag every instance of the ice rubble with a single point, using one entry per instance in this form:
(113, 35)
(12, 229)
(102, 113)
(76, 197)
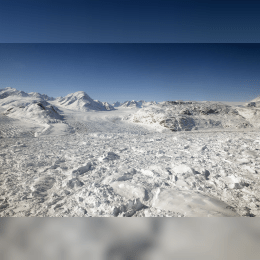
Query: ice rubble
(127, 184)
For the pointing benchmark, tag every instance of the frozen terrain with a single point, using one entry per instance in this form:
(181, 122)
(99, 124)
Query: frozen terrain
(73, 157)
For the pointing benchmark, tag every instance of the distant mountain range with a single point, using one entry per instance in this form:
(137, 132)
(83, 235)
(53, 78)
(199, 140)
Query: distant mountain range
(6, 92)
(175, 115)
(134, 104)
(80, 101)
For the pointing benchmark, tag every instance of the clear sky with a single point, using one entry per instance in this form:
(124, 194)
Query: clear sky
(128, 21)
(120, 72)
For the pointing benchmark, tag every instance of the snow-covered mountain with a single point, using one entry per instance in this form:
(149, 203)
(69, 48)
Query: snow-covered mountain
(41, 96)
(117, 104)
(254, 103)
(149, 103)
(105, 104)
(82, 102)
(39, 110)
(32, 106)
(134, 104)
(6, 92)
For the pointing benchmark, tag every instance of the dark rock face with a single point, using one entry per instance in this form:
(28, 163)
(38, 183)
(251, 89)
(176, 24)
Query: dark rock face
(206, 173)
(186, 123)
(111, 156)
(216, 109)
(178, 102)
(4, 206)
(170, 123)
(208, 110)
(41, 106)
(53, 109)
(66, 192)
(234, 112)
(187, 116)
(183, 123)
(251, 104)
(185, 112)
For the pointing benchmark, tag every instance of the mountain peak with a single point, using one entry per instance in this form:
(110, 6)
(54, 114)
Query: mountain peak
(81, 101)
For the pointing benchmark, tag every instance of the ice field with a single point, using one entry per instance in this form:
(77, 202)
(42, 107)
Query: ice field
(75, 156)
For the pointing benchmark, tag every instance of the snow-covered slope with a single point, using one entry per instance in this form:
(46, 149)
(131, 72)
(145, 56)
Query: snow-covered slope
(39, 110)
(18, 104)
(149, 103)
(105, 104)
(80, 101)
(254, 103)
(6, 92)
(186, 116)
(132, 103)
(256, 99)
(31, 109)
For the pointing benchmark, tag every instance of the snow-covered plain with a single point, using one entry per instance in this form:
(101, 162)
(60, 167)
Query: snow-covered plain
(75, 156)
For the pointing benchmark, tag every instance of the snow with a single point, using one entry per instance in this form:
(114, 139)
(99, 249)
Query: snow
(188, 116)
(82, 102)
(6, 92)
(41, 96)
(191, 204)
(257, 99)
(32, 109)
(129, 190)
(134, 104)
(59, 161)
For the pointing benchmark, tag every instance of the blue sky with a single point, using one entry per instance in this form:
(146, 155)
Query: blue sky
(120, 72)
(128, 21)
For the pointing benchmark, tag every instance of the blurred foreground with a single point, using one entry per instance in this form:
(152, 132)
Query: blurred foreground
(129, 238)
